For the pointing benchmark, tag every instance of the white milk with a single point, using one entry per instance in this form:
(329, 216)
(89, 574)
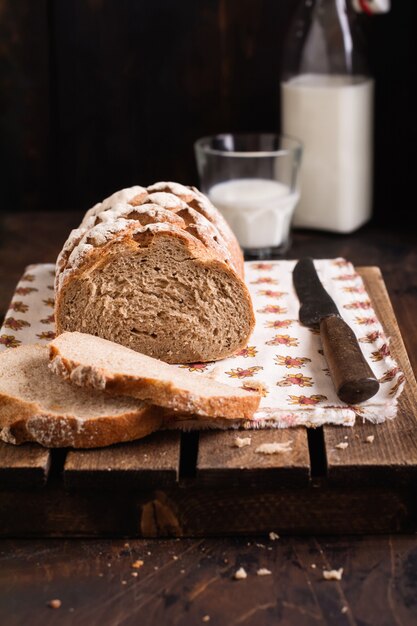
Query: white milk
(258, 210)
(332, 116)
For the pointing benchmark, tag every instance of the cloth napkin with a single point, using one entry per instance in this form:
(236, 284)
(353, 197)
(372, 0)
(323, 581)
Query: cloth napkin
(283, 360)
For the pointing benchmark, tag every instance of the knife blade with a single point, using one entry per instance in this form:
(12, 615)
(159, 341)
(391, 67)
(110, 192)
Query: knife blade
(351, 374)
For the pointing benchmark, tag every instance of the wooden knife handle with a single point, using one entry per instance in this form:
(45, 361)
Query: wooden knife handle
(352, 377)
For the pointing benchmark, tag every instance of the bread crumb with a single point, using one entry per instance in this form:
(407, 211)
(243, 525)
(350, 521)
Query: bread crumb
(135, 574)
(344, 609)
(313, 566)
(241, 442)
(274, 448)
(342, 445)
(259, 545)
(126, 545)
(370, 438)
(182, 571)
(333, 574)
(137, 564)
(263, 572)
(273, 536)
(149, 553)
(124, 582)
(240, 574)
(55, 603)
(206, 618)
(175, 557)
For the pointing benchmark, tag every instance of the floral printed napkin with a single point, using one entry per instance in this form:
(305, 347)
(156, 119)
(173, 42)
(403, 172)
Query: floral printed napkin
(283, 360)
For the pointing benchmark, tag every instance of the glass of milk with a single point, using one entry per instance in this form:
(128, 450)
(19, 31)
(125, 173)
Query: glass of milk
(253, 179)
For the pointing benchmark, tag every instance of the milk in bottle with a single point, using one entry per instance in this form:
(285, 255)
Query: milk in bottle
(327, 103)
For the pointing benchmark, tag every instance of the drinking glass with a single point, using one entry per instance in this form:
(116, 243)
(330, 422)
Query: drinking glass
(253, 179)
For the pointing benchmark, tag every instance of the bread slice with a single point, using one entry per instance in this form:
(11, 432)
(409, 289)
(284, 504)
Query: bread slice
(90, 361)
(37, 406)
(159, 271)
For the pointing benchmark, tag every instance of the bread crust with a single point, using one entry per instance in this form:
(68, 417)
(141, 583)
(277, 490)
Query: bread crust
(22, 422)
(113, 212)
(164, 393)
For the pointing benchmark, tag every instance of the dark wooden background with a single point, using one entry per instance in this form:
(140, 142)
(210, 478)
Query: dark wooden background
(100, 94)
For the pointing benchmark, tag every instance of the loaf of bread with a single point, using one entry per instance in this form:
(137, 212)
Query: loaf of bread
(36, 405)
(159, 271)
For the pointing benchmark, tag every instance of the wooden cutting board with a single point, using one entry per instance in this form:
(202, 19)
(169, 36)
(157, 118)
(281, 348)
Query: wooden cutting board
(199, 484)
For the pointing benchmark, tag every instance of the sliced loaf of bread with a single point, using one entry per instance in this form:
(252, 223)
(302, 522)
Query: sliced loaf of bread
(157, 270)
(36, 405)
(90, 361)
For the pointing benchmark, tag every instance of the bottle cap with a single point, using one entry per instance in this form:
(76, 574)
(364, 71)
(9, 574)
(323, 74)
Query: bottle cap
(371, 7)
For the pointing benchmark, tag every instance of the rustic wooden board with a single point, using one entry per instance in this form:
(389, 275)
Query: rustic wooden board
(392, 457)
(221, 462)
(23, 466)
(152, 462)
(200, 484)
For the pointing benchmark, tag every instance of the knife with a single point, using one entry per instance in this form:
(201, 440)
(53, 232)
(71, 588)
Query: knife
(352, 377)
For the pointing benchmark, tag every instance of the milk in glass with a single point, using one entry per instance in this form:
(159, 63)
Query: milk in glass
(259, 211)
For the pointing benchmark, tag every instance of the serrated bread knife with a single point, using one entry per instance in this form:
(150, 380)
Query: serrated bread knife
(351, 375)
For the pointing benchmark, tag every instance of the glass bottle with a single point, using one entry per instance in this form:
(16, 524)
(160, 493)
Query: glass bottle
(327, 103)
